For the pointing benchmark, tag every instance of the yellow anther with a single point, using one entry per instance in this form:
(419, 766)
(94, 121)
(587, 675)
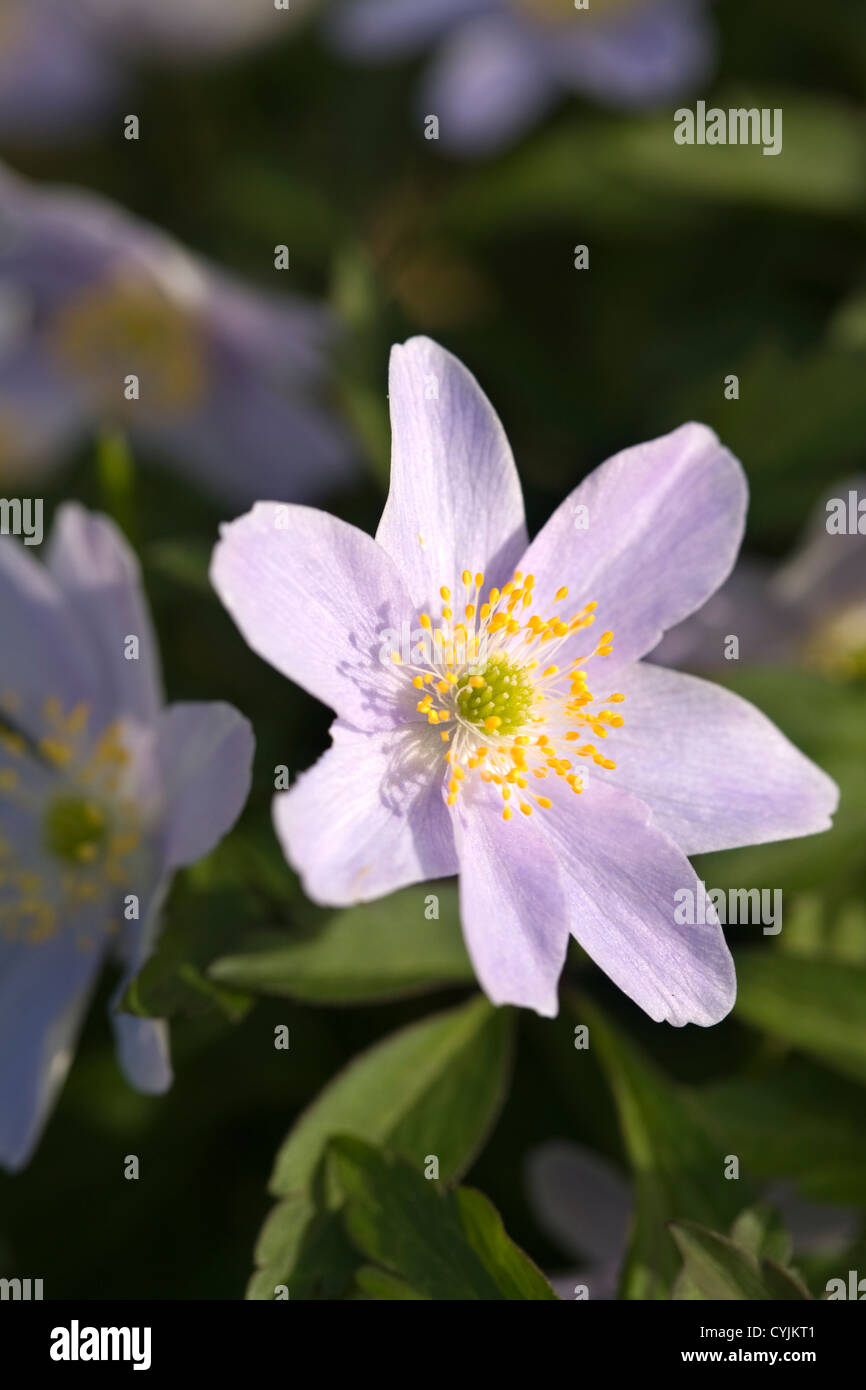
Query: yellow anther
(467, 578)
(479, 580)
(55, 751)
(425, 622)
(561, 594)
(507, 813)
(52, 709)
(544, 802)
(477, 682)
(526, 808)
(397, 658)
(445, 593)
(493, 723)
(550, 671)
(469, 610)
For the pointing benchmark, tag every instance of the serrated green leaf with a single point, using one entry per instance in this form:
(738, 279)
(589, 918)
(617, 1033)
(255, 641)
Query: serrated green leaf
(435, 1087)
(759, 1230)
(719, 1268)
(446, 1245)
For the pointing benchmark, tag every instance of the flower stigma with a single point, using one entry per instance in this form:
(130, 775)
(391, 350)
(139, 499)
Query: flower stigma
(505, 709)
(70, 848)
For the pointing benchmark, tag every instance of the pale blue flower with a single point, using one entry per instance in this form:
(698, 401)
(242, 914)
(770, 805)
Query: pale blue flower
(104, 792)
(808, 611)
(64, 64)
(499, 64)
(230, 381)
(479, 728)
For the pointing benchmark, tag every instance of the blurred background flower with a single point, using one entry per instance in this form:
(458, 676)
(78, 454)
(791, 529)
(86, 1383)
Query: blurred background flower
(230, 380)
(808, 611)
(586, 1206)
(62, 66)
(499, 64)
(103, 793)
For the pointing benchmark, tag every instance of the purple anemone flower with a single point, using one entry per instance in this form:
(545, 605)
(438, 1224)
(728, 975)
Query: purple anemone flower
(499, 64)
(64, 65)
(583, 1203)
(229, 381)
(810, 611)
(480, 726)
(104, 792)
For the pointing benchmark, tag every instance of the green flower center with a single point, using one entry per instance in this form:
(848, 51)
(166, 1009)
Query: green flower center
(75, 829)
(497, 696)
(124, 320)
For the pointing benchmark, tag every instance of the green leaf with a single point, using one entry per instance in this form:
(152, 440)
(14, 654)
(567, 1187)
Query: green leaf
(717, 1267)
(514, 1272)
(446, 1245)
(599, 170)
(820, 167)
(382, 950)
(435, 1087)
(760, 1231)
(721, 1269)
(316, 1259)
(678, 1164)
(174, 979)
(802, 1123)
(818, 1006)
(378, 1285)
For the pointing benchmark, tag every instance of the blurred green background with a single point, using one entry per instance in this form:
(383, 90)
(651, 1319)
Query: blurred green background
(702, 263)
